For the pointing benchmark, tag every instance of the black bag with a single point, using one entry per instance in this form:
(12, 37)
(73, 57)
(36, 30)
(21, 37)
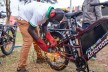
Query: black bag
(91, 36)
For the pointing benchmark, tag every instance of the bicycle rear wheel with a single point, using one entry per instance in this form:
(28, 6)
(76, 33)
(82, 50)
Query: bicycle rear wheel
(55, 60)
(8, 41)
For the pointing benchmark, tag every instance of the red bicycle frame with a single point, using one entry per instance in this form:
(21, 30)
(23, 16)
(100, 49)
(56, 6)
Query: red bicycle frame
(98, 39)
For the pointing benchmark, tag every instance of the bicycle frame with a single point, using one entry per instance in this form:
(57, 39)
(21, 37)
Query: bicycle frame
(84, 43)
(95, 47)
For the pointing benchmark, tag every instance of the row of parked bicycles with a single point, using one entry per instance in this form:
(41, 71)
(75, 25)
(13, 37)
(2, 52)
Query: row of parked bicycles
(77, 44)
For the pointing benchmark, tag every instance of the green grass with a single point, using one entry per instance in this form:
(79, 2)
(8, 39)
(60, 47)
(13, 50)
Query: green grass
(18, 38)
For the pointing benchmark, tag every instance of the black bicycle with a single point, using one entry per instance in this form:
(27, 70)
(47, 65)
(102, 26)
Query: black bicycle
(7, 36)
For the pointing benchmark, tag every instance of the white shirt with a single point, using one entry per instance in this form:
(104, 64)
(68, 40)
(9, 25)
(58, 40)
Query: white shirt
(34, 12)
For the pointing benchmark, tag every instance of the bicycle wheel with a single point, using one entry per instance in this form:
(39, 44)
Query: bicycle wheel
(55, 60)
(8, 41)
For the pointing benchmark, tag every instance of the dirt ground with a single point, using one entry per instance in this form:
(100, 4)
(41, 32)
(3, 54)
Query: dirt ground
(9, 63)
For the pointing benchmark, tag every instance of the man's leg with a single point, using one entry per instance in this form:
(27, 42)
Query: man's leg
(40, 58)
(27, 41)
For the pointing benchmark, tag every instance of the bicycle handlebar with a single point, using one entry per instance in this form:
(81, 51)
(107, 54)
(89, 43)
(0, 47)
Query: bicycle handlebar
(97, 4)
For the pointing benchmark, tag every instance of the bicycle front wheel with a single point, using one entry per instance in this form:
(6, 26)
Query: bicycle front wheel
(8, 41)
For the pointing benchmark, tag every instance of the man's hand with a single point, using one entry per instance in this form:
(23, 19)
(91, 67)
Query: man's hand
(50, 39)
(53, 42)
(42, 45)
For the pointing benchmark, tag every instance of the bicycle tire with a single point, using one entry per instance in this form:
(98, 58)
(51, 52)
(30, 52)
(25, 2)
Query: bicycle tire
(66, 61)
(3, 47)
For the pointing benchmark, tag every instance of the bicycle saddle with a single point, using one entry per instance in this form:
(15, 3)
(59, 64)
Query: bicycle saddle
(73, 14)
(2, 14)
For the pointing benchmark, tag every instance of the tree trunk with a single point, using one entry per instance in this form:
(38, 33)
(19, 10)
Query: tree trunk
(8, 13)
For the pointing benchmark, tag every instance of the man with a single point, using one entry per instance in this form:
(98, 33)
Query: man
(40, 58)
(90, 14)
(31, 16)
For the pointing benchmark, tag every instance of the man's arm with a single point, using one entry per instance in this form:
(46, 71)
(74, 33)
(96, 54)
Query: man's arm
(32, 32)
(48, 35)
(38, 40)
(44, 27)
(98, 10)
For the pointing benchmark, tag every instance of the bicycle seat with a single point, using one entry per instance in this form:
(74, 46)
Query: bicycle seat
(2, 14)
(73, 14)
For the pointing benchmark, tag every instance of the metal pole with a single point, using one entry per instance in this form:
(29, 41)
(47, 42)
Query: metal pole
(70, 5)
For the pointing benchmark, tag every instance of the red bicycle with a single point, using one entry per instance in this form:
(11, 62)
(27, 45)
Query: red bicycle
(80, 46)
